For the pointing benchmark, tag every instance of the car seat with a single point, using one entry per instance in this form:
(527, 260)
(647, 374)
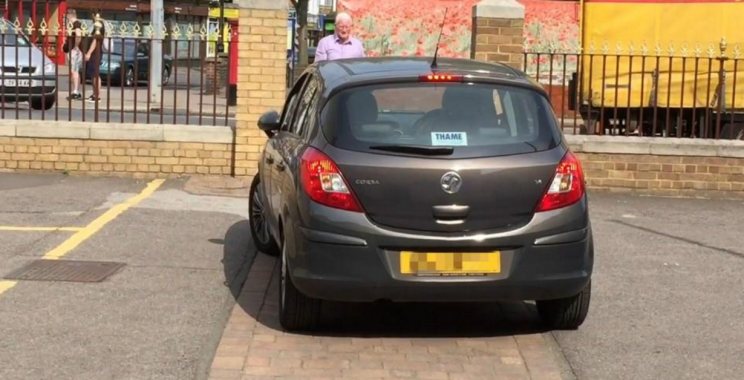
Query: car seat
(363, 115)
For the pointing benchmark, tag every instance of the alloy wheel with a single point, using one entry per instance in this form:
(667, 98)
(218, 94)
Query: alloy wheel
(258, 220)
(129, 79)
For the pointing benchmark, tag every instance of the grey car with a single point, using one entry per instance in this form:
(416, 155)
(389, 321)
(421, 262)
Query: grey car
(26, 74)
(394, 179)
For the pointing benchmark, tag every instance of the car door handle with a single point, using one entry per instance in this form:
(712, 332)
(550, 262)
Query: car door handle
(280, 166)
(451, 212)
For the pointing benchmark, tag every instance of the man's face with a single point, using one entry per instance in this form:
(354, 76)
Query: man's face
(343, 29)
(71, 16)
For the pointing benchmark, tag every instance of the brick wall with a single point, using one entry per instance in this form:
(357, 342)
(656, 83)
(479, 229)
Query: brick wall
(262, 56)
(709, 177)
(209, 74)
(498, 32)
(643, 165)
(498, 40)
(143, 151)
(662, 166)
(140, 159)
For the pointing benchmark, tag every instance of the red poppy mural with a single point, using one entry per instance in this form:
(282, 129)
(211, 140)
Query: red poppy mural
(551, 25)
(412, 27)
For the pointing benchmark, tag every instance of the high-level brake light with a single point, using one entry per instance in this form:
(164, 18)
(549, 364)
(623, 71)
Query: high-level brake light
(440, 78)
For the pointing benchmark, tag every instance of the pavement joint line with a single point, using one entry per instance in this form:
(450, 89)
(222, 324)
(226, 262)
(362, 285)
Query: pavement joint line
(73, 241)
(40, 229)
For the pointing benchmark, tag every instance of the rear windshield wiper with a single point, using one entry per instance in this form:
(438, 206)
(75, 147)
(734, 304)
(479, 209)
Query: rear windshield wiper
(416, 149)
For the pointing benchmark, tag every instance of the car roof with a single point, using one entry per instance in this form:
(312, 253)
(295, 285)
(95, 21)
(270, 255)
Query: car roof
(348, 72)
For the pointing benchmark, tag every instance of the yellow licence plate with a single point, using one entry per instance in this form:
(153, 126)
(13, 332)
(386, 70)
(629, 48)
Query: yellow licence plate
(450, 264)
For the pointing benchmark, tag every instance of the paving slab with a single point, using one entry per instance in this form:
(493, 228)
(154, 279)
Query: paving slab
(667, 287)
(159, 317)
(667, 301)
(421, 341)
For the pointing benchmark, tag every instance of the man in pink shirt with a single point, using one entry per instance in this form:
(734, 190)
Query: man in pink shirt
(340, 45)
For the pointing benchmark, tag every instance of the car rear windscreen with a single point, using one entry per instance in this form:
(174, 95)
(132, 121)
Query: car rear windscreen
(467, 120)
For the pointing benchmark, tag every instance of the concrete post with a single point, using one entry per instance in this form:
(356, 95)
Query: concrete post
(157, 20)
(498, 32)
(262, 62)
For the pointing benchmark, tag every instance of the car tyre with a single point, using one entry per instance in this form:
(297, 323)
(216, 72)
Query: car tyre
(166, 75)
(259, 223)
(43, 103)
(566, 313)
(297, 312)
(732, 132)
(129, 79)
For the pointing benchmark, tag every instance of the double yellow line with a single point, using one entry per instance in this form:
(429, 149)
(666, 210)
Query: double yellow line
(84, 233)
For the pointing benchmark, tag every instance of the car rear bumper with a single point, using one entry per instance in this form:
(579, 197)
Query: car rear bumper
(538, 262)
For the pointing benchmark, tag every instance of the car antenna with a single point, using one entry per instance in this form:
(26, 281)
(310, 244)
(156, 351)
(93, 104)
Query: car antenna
(436, 51)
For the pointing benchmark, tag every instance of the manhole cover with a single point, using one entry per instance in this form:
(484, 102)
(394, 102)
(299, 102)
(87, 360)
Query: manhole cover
(65, 270)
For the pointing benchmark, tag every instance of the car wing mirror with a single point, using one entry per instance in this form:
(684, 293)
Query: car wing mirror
(269, 122)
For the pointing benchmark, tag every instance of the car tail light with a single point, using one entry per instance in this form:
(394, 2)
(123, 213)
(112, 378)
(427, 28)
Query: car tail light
(440, 78)
(324, 183)
(566, 187)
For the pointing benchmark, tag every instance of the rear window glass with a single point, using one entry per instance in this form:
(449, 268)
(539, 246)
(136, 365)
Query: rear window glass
(476, 120)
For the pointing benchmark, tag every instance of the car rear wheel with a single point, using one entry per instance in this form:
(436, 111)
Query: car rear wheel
(566, 313)
(129, 79)
(297, 312)
(732, 132)
(258, 221)
(166, 75)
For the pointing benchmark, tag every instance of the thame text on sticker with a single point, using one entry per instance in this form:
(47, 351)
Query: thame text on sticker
(449, 139)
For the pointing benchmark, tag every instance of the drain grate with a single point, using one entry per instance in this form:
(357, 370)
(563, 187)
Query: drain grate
(65, 270)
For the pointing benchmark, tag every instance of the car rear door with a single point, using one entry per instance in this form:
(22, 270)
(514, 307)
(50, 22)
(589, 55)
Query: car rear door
(475, 158)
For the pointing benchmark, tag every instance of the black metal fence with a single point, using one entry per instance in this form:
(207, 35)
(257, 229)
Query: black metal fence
(198, 85)
(664, 92)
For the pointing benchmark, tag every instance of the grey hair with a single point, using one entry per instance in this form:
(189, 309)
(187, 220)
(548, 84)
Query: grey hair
(344, 16)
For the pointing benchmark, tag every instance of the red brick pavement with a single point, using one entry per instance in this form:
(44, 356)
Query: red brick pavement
(359, 342)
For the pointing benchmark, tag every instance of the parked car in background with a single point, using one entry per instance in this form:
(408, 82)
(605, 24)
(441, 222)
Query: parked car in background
(26, 74)
(387, 179)
(128, 63)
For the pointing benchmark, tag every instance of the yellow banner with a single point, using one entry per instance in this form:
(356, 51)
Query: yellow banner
(660, 31)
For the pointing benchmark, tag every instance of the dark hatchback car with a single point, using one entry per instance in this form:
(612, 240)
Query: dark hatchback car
(128, 63)
(385, 179)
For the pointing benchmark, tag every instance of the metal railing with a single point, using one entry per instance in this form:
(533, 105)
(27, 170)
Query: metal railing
(198, 72)
(663, 92)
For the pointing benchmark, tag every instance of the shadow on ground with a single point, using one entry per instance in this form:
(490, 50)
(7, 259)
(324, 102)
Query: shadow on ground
(410, 320)
(238, 255)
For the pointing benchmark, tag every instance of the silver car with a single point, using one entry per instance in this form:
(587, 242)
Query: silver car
(26, 74)
(385, 179)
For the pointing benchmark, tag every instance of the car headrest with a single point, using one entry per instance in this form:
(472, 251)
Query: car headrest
(466, 100)
(362, 108)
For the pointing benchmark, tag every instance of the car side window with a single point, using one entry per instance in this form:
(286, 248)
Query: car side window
(305, 106)
(312, 116)
(290, 106)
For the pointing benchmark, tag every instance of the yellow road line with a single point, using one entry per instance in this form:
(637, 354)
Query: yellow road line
(96, 225)
(40, 229)
(6, 285)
